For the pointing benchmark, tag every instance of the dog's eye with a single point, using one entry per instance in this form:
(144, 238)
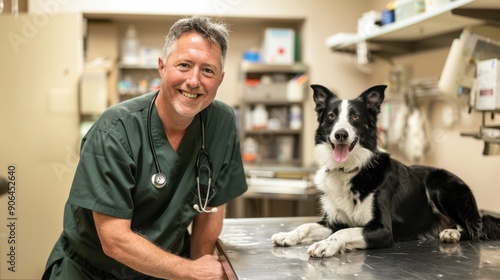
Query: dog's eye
(331, 116)
(354, 117)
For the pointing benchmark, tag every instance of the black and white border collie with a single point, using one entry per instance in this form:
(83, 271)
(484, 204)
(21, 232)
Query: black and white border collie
(370, 200)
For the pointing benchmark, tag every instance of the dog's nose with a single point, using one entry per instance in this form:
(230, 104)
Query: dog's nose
(341, 135)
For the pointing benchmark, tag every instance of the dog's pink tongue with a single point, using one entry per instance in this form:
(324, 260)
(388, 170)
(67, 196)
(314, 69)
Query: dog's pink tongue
(341, 152)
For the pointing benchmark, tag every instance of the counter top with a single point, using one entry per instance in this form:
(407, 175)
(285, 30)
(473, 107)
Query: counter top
(247, 247)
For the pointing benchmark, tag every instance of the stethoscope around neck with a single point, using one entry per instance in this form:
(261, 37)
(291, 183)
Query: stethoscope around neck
(159, 179)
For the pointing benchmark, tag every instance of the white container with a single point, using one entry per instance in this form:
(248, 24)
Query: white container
(130, 47)
(295, 117)
(279, 46)
(488, 85)
(294, 91)
(260, 117)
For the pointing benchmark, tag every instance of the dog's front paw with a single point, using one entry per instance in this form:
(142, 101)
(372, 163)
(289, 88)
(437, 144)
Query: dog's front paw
(326, 248)
(285, 238)
(449, 235)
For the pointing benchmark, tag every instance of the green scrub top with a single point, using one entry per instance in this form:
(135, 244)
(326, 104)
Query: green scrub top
(114, 177)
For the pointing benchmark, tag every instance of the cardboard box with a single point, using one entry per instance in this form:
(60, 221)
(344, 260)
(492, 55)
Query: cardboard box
(279, 46)
(488, 85)
(266, 92)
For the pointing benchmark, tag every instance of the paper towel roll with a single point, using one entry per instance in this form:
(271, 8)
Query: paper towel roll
(451, 71)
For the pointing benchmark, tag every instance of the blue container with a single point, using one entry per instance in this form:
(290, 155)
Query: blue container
(387, 17)
(251, 56)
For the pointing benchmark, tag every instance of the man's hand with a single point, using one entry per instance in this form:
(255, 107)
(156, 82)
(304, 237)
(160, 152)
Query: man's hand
(208, 267)
(133, 250)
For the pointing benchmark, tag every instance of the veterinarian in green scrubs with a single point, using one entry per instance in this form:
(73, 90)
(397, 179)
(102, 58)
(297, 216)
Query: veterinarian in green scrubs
(113, 182)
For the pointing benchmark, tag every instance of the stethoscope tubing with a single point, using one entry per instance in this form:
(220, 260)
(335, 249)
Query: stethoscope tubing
(159, 180)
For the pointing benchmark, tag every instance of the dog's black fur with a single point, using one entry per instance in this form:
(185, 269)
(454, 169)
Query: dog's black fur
(370, 200)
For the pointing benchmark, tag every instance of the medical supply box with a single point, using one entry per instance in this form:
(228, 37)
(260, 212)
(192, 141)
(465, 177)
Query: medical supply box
(266, 92)
(488, 85)
(278, 46)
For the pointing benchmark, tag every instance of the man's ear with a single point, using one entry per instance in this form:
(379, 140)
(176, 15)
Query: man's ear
(161, 66)
(222, 77)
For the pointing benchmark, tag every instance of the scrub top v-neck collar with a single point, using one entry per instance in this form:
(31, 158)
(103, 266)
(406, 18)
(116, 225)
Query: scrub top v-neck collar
(163, 146)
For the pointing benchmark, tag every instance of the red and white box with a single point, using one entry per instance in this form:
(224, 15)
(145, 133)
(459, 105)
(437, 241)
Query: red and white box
(279, 46)
(488, 85)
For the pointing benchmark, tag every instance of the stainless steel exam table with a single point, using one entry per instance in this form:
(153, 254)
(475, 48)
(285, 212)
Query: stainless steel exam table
(247, 252)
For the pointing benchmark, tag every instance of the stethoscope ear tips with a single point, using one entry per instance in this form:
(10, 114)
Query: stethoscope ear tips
(159, 180)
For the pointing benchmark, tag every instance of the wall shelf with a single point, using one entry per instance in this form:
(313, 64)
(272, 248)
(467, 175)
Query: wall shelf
(431, 29)
(481, 136)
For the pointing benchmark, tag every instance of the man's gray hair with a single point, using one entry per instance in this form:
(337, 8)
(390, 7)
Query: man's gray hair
(214, 32)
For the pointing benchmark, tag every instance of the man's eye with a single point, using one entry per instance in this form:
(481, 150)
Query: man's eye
(208, 71)
(183, 65)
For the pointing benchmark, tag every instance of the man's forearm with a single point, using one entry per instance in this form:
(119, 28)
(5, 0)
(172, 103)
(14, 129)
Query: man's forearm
(137, 252)
(205, 232)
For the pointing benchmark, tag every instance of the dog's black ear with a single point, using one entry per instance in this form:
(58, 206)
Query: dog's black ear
(321, 96)
(373, 97)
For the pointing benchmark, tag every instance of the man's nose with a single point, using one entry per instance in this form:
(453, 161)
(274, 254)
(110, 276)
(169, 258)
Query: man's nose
(193, 81)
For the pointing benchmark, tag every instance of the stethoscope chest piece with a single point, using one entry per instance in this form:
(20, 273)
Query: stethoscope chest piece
(159, 180)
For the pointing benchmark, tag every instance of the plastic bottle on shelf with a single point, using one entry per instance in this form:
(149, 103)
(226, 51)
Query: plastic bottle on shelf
(259, 117)
(250, 149)
(130, 46)
(295, 117)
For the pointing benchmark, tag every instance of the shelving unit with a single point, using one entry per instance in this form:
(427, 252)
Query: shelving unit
(136, 73)
(279, 145)
(430, 29)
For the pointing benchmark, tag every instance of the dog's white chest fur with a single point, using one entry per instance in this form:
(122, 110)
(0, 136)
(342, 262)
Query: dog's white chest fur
(339, 202)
